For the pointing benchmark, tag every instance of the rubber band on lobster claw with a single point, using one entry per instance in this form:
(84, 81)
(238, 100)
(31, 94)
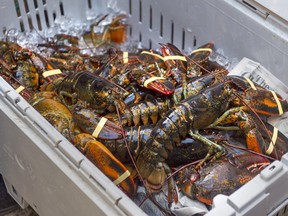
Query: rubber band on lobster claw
(262, 101)
(91, 122)
(101, 157)
(158, 84)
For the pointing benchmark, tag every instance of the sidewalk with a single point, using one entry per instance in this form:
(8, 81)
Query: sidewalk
(8, 207)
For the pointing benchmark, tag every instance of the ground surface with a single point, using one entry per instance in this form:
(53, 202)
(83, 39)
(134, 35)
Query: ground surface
(8, 207)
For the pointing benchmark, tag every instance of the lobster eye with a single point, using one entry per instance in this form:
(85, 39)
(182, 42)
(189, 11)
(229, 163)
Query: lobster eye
(194, 177)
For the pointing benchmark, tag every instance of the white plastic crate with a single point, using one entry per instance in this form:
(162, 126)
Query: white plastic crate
(45, 171)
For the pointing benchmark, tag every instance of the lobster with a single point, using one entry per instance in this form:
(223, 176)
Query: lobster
(194, 113)
(222, 176)
(26, 66)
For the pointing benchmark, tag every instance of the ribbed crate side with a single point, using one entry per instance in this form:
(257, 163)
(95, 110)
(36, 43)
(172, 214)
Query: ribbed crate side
(44, 177)
(188, 24)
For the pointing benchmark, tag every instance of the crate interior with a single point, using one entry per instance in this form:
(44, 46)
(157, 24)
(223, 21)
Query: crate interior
(232, 26)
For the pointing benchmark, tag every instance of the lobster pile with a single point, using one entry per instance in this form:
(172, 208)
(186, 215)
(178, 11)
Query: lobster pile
(151, 117)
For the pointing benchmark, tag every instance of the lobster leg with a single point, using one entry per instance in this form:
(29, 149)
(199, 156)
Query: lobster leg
(228, 117)
(213, 146)
(244, 122)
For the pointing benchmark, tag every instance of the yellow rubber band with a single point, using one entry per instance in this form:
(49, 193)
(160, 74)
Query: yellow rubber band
(251, 83)
(151, 79)
(153, 54)
(182, 58)
(273, 141)
(20, 89)
(99, 127)
(280, 109)
(202, 50)
(122, 177)
(51, 73)
(165, 58)
(125, 57)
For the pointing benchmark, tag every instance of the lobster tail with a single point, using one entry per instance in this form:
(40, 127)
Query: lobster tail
(151, 169)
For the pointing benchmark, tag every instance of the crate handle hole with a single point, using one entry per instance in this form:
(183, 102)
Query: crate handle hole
(140, 11)
(89, 4)
(54, 15)
(14, 190)
(16, 3)
(172, 32)
(4, 30)
(26, 6)
(130, 7)
(46, 18)
(272, 167)
(17, 100)
(35, 4)
(150, 18)
(183, 39)
(38, 21)
(161, 25)
(61, 8)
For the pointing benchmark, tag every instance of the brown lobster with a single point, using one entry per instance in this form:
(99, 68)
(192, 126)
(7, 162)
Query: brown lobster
(194, 113)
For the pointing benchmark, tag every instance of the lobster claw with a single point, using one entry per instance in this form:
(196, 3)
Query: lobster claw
(202, 53)
(110, 130)
(101, 157)
(261, 100)
(99, 127)
(160, 85)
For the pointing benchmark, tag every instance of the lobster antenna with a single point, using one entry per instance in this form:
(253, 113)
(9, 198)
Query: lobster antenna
(41, 36)
(183, 167)
(248, 150)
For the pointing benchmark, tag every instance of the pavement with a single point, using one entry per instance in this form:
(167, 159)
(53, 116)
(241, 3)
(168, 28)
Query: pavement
(8, 206)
